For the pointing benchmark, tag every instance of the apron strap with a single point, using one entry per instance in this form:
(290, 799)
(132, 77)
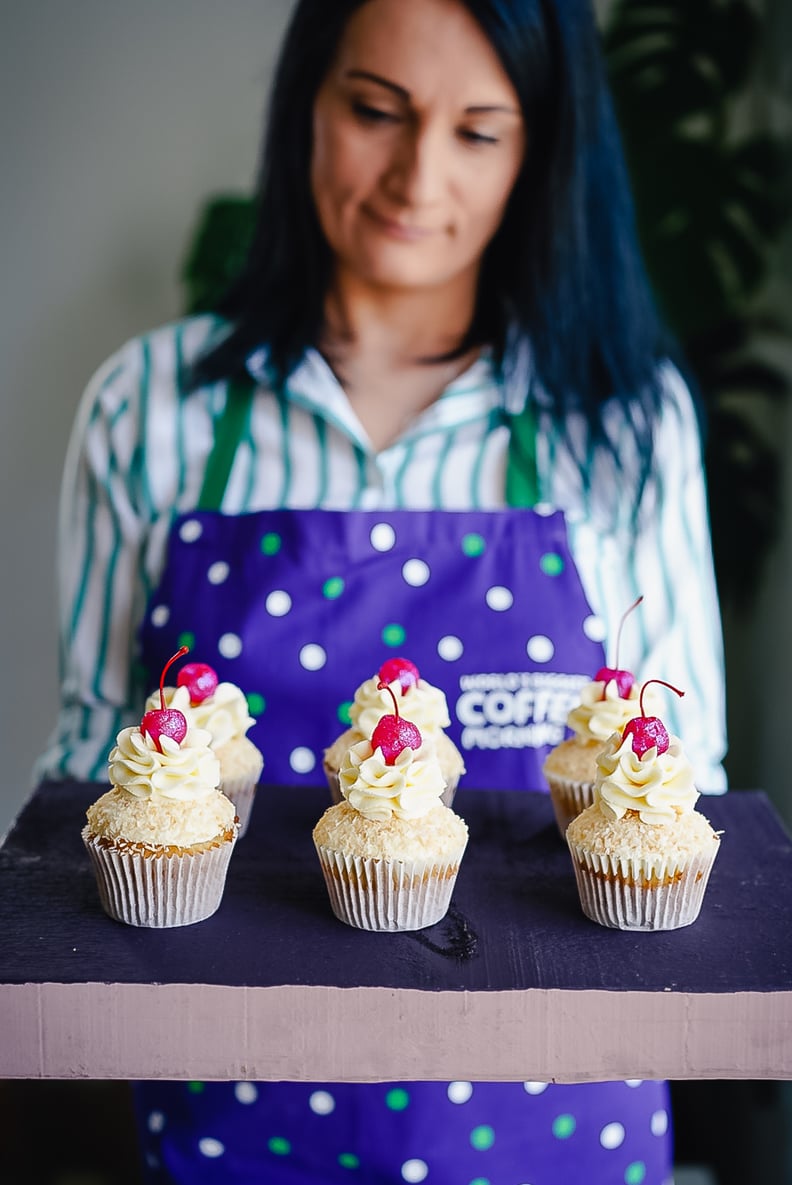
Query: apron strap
(522, 480)
(228, 433)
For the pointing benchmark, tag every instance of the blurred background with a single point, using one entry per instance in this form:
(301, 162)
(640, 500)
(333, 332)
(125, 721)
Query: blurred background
(120, 124)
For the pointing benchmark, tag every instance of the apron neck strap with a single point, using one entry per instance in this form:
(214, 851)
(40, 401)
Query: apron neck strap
(522, 480)
(229, 430)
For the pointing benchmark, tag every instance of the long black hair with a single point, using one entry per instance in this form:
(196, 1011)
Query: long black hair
(564, 270)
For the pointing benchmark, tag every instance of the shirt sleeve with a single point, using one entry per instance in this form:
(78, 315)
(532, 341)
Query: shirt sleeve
(660, 549)
(100, 570)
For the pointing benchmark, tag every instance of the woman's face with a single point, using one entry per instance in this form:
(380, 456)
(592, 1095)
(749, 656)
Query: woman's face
(418, 139)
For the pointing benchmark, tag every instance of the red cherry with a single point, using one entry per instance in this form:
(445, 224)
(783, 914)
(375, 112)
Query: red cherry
(402, 669)
(649, 732)
(394, 734)
(624, 680)
(199, 679)
(165, 721)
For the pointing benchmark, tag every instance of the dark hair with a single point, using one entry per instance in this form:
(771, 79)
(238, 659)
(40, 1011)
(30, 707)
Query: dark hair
(564, 269)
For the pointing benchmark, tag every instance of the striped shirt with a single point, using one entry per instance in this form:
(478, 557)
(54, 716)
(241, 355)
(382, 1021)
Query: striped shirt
(137, 458)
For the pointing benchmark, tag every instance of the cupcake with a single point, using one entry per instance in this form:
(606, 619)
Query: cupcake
(606, 704)
(390, 850)
(161, 838)
(422, 703)
(220, 709)
(642, 853)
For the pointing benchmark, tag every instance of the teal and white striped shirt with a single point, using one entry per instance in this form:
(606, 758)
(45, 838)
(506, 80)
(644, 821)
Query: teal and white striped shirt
(137, 458)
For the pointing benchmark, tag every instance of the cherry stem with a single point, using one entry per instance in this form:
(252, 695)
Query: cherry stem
(179, 653)
(662, 683)
(624, 617)
(383, 686)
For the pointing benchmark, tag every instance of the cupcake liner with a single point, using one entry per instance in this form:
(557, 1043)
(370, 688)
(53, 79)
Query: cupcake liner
(569, 799)
(159, 891)
(379, 894)
(635, 894)
(241, 764)
(241, 791)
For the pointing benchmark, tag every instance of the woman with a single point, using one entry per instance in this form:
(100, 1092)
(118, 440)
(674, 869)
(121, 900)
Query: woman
(442, 348)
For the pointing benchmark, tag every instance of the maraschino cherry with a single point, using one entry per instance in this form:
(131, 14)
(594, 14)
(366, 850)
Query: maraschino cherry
(394, 734)
(164, 721)
(649, 732)
(402, 669)
(199, 679)
(624, 680)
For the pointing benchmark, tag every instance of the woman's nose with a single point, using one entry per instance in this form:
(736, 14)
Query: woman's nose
(416, 175)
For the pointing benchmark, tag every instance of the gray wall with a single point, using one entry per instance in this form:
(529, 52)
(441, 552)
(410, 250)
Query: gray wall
(116, 121)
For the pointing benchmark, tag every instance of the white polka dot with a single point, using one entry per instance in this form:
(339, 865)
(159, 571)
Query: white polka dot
(414, 1170)
(312, 657)
(321, 1102)
(612, 1135)
(540, 648)
(499, 598)
(450, 648)
(544, 508)
(535, 1087)
(594, 628)
(659, 1123)
(460, 1092)
(210, 1147)
(416, 573)
(230, 646)
(218, 572)
(302, 760)
(633, 1081)
(190, 531)
(278, 603)
(246, 1092)
(382, 537)
(156, 1121)
(160, 616)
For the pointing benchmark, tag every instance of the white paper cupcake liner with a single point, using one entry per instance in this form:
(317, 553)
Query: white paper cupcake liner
(159, 891)
(242, 792)
(569, 799)
(637, 895)
(388, 894)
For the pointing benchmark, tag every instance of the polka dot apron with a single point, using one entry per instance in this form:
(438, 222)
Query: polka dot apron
(298, 607)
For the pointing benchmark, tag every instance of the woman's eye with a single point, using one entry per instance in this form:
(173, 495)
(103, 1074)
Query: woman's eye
(369, 114)
(474, 137)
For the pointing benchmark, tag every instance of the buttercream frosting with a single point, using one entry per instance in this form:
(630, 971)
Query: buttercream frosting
(182, 772)
(224, 714)
(602, 711)
(422, 703)
(658, 786)
(408, 789)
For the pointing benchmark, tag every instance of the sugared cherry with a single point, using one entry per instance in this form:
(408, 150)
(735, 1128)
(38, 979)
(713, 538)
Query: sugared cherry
(624, 680)
(394, 734)
(199, 679)
(649, 732)
(402, 669)
(164, 721)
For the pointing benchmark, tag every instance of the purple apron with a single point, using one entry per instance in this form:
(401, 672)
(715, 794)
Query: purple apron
(298, 608)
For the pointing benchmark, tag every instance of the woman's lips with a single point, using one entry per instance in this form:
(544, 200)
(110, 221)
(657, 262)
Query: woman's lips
(404, 232)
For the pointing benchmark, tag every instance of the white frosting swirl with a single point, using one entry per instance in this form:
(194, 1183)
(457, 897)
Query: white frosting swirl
(224, 713)
(408, 789)
(421, 703)
(597, 716)
(659, 786)
(183, 772)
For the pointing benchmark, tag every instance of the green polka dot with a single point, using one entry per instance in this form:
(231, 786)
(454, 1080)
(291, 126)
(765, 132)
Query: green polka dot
(279, 1146)
(473, 544)
(397, 1099)
(480, 1181)
(271, 543)
(256, 703)
(564, 1126)
(551, 564)
(348, 1160)
(393, 634)
(186, 639)
(635, 1173)
(195, 1087)
(333, 587)
(343, 712)
(482, 1137)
